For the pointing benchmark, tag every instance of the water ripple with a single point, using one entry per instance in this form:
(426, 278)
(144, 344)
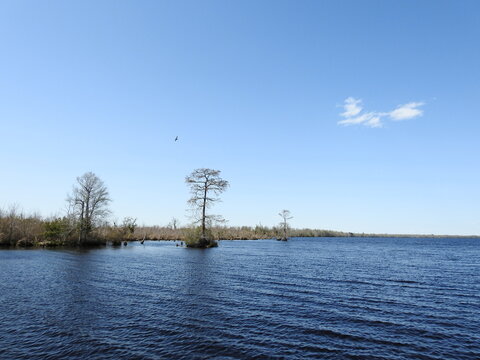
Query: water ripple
(307, 298)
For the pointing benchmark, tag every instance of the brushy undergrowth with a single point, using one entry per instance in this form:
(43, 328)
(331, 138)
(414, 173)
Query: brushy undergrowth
(19, 229)
(193, 238)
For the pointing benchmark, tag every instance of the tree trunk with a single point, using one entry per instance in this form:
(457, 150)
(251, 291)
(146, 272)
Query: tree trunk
(82, 225)
(203, 212)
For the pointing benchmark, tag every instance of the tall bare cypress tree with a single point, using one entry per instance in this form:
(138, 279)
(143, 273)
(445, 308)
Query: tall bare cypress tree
(285, 214)
(205, 187)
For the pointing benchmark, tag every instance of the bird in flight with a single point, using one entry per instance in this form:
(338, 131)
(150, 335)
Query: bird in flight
(176, 138)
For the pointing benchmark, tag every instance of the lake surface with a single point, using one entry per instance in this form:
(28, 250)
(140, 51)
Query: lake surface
(332, 298)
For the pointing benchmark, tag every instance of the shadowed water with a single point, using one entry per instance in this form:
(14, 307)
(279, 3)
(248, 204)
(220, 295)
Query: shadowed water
(331, 298)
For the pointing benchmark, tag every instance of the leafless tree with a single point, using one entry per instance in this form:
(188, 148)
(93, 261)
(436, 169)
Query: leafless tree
(129, 225)
(174, 223)
(13, 217)
(285, 214)
(205, 187)
(89, 201)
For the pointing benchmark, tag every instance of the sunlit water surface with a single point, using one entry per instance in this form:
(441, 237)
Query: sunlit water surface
(331, 298)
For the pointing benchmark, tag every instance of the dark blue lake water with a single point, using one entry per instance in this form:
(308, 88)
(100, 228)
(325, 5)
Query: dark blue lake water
(329, 298)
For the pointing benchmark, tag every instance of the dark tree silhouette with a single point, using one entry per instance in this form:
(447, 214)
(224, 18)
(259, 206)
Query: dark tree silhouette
(205, 187)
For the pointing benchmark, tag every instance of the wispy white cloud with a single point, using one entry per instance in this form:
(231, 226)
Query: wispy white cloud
(367, 119)
(407, 111)
(353, 113)
(374, 121)
(352, 107)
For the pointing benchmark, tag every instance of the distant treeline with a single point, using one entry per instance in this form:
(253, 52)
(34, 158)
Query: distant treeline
(18, 229)
(265, 232)
(232, 233)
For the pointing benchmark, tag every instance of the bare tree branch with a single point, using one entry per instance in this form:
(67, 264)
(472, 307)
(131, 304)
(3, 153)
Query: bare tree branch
(88, 203)
(203, 184)
(285, 214)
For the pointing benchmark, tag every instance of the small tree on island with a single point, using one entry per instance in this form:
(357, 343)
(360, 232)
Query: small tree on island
(205, 187)
(285, 214)
(88, 201)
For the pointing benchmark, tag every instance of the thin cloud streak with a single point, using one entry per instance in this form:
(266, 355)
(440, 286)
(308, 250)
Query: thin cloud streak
(368, 119)
(353, 113)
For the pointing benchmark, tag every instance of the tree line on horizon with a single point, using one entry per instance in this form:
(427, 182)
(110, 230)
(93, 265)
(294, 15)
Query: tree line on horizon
(85, 221)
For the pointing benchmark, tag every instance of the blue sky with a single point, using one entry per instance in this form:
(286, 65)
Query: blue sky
(257, 90)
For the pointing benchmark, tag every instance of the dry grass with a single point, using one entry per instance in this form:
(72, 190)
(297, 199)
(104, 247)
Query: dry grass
(18, 228)
(230, 233)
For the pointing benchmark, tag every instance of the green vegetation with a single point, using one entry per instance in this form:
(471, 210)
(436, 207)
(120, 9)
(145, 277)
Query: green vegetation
(57, 231)
(197, 237)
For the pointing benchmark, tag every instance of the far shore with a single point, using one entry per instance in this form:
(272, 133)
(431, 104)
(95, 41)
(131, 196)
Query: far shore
(101, 243)
(259, 233)
(21, 231)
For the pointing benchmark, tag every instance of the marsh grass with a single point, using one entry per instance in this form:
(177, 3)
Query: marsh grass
(21, 229)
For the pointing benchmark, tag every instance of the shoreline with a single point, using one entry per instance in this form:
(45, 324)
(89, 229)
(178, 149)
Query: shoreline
(124, 243)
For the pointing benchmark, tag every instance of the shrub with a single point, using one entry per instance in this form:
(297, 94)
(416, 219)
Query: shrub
(193, 238)
(56, 230)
